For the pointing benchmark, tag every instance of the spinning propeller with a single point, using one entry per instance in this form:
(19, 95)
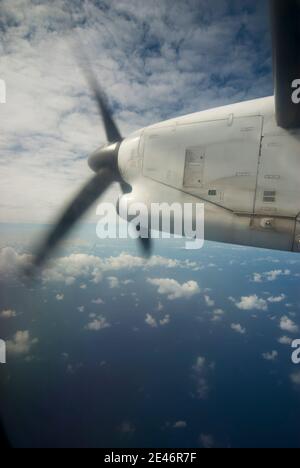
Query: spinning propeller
(104, 162)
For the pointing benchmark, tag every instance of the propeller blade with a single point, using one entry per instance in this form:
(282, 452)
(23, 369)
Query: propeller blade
(78, 207)
(146, 246)
(145, 242)
(113, 134)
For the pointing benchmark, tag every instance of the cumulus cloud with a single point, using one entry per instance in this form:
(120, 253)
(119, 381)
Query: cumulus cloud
(12, 262)
(165, 321)
(271, 356)
(173, 289)
(151, 321)
(276, 299)
(269, 275)
(98, 324)
(113, 282)
(217, 315)
(252, 302)
(74, 267)
(131, 262)
(59, 297)
(21, 343)
(287, 324)
(201, 372)
(285, 340)
(8, 313)
(81, 266)
(208, 301)
(237, 327)
(98, 301)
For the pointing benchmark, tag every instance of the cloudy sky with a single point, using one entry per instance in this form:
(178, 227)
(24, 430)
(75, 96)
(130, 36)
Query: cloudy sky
(186, 349)
(155, 59)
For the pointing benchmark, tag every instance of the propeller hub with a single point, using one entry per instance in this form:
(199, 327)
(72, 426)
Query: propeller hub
(105, 157)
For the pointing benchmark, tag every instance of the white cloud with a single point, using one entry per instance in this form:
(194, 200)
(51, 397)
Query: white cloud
(270, 275)
(113, 282)
(252, 302)
(8, 313)
(21, 343)
(12, 262)
(81, 266)
(127, 282)
(74, 267)
(286, 324)
(237, 327)
(217, 315)
(285, 340)
(151, 321)
(201, 370)
(173, 289)
(60, 297)
(200, 363)
(272, 356)
(209, 302)
(257, 278)
(165, 321)
(180, 425)
(98, 324)
(125, 261)
(276, 299)
(98, 301)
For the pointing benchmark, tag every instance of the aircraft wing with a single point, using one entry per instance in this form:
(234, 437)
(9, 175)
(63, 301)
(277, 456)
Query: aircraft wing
(285, 24)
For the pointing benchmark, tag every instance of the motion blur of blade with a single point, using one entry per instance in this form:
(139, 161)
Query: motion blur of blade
(113, 134)
(104, 162)
(78, 207)
(145, 245)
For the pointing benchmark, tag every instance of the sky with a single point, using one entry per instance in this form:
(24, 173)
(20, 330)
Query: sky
(105, 348)
(155, 60)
